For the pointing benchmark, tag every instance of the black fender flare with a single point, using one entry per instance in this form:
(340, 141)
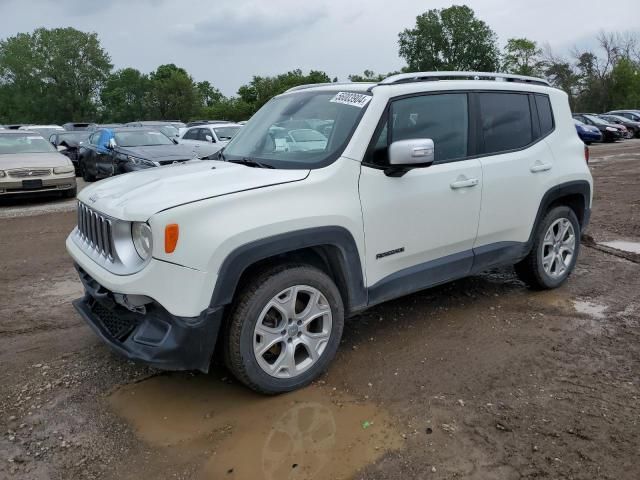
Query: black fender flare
(576, 187)
(246, 255)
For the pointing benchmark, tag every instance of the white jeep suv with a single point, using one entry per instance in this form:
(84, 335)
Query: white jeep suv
(420, 179)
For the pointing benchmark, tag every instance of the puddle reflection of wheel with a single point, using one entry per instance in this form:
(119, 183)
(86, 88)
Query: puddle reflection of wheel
(300, 443)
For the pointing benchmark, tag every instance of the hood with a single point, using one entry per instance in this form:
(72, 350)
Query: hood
(9, 161)
(137, 196)
(159, 153)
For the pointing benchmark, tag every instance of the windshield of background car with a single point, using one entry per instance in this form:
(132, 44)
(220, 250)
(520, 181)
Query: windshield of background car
(31, 143)
(279, 133)
(597, 121)
(141, 139)
(226, 133)
(169, 130)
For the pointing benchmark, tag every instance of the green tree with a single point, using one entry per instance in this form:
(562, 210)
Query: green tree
(124, 96)
(52, 75)
(523, 57)
(209, 94)
(368, 76)
(261, 89)
(625, 84)
(173, 94)
(449, 39)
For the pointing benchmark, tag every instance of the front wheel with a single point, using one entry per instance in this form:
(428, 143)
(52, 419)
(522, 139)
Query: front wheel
(284, 329)
(555, 250)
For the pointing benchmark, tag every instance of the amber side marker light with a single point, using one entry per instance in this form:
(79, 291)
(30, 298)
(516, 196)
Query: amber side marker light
(171, 234)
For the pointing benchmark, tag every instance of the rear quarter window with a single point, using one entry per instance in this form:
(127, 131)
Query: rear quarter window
(545, 114)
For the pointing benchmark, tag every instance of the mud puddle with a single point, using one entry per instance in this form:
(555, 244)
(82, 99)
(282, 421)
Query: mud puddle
(631, 247)
(592, 309)
(230, 432)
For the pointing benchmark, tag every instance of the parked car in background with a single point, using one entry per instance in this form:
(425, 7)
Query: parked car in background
(98, 126)
(69, 143)
(610, 132)
(30, 164)
(587, 133)
(45, 130)
(195, 123)
(632, 126)
(113, 151)
(168, 128)
(630, 114)
(76, 127)
(207, 139)
(15, 126)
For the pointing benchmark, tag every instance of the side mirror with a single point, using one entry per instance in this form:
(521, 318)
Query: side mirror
(209, 138)
(112, 144)
(405, 155)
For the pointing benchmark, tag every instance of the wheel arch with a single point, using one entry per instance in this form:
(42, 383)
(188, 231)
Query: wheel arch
(332, 249)
(575, 195)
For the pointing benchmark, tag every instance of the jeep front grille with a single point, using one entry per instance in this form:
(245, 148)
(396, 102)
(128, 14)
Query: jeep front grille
(96, 230)
(29, 172)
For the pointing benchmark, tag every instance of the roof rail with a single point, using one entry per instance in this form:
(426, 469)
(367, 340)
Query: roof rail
(430, 76)
(326, 84)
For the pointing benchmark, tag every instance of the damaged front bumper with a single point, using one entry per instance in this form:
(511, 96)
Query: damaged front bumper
(147, 332)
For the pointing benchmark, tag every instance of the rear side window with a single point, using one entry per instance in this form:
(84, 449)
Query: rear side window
(506, 121)
(545, 114)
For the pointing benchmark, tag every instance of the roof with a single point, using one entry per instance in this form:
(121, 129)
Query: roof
(50, 127)
(18, 132)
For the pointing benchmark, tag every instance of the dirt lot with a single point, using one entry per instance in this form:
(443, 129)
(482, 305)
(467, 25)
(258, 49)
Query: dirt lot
(479, 379)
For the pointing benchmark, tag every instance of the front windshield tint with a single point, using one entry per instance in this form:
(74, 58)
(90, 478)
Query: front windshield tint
(299, 130)
(226, 133)
(141, 139)
(13, 143)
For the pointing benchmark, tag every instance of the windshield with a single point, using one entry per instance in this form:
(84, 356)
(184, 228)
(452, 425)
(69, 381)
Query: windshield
(13, 143)
(596, 120)
(141, 139)
(75, 137)
(226, 133)
(300, 130)
(169, 130)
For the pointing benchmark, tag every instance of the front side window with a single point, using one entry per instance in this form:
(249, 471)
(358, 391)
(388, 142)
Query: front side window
(202, 134)
(141, 139)
(443, 118)
(191, 134)
(506, 121)
(278, 135)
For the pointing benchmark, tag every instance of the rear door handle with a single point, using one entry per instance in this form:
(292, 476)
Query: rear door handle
(467, 183)
(540, 167)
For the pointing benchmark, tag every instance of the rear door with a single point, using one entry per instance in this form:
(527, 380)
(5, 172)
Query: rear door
(517, 169)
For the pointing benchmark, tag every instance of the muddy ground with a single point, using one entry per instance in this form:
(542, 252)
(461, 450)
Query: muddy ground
(479, 379)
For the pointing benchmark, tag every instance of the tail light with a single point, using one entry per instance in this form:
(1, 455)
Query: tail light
(586, 154)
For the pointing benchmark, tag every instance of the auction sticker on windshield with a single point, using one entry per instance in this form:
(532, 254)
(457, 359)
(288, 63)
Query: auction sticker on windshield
(354, 99)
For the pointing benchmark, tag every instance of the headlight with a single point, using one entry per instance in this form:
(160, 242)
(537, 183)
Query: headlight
(142, 239)
(2, 174)
(611, 129)
(140, 161)
(65, 169)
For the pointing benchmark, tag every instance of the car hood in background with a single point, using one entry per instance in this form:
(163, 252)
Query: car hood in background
(137, 196)
(9, 161)
(159, 153)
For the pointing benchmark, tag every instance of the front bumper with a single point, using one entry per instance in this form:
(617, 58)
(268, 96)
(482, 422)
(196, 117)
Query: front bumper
(50, 183)
(154, 337)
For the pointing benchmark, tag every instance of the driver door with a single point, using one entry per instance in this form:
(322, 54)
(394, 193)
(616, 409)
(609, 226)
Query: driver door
(420, 227)
(104, 155)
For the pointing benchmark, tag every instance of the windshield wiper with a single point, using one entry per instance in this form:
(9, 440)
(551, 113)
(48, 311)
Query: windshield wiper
(251, 163)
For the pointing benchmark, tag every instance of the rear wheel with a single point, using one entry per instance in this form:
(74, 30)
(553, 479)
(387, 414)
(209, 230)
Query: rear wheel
(284, 329)
(555, 250)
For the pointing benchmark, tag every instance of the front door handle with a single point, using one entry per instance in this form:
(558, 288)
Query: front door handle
(466, 183)
(540, 167)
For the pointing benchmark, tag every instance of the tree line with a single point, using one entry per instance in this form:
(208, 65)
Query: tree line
(63, 74)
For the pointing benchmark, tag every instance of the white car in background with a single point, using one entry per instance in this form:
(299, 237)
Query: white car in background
(45, 130)
(209, 138)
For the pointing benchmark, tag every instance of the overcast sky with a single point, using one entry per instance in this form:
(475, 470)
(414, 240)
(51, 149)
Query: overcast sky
(229, 41)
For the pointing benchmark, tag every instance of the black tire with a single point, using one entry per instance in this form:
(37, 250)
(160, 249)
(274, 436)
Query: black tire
(530, 269)
(85, 174)
(239, 327)
(71, 193)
